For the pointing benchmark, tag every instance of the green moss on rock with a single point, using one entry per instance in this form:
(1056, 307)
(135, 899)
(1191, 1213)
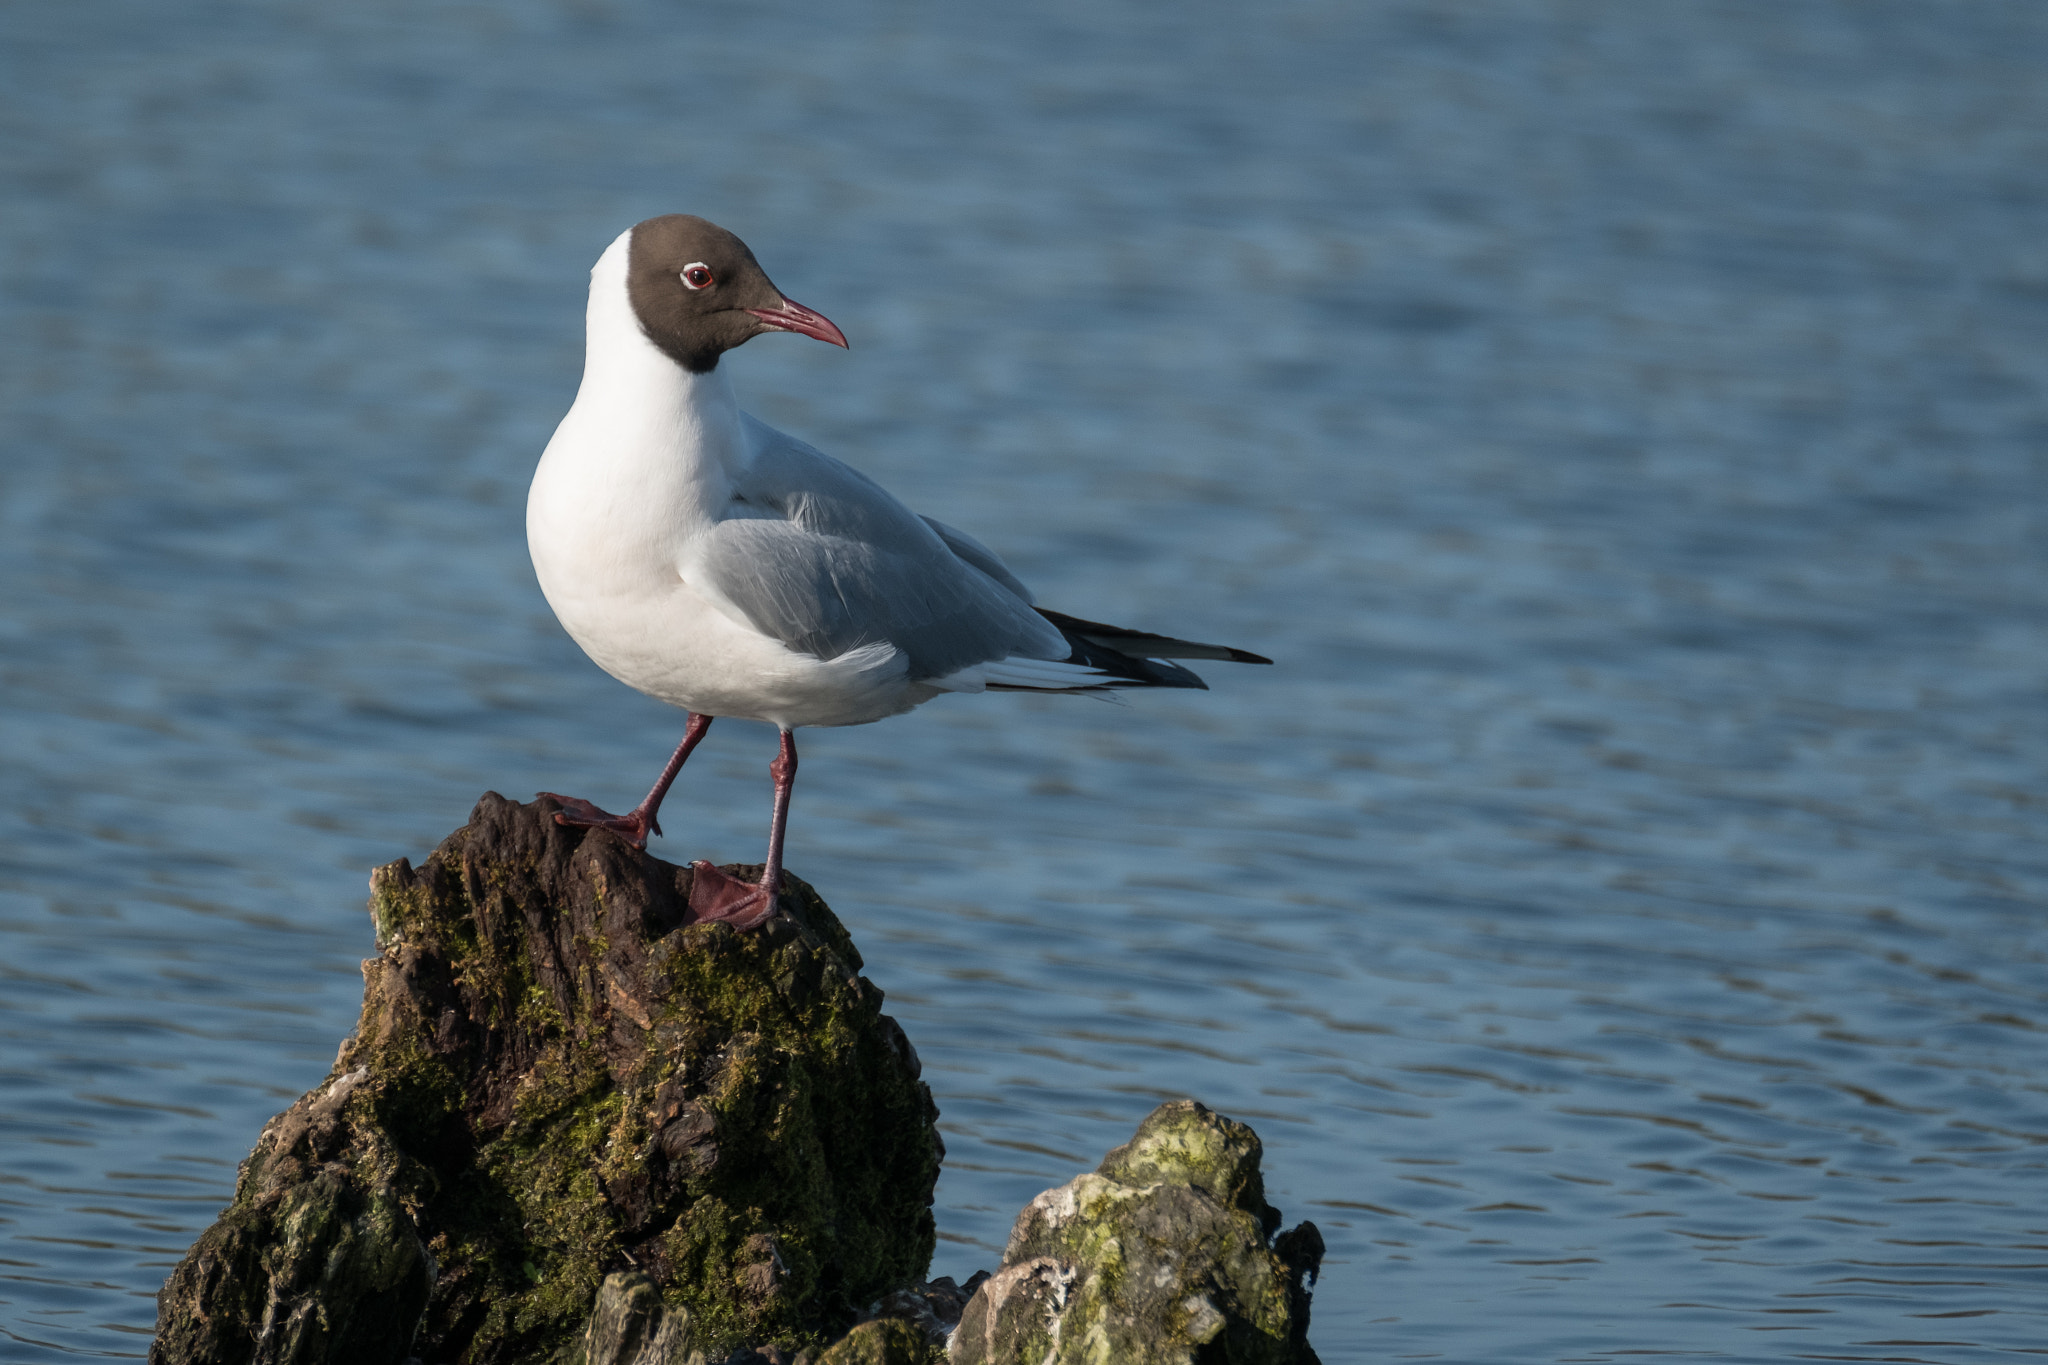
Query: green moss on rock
(883, 1341)
(1164, 1255)
(557, 1076)
(633, 1325)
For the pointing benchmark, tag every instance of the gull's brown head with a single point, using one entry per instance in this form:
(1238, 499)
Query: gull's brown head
(698, 292)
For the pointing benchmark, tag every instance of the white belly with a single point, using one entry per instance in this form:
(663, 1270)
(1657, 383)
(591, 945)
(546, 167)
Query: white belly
(621, 598)
(670, 643)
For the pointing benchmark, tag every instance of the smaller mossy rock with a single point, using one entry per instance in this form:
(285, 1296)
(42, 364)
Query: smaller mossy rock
(1164, 1255)
(883, 1341)
(632, 1325)
(562, 1078)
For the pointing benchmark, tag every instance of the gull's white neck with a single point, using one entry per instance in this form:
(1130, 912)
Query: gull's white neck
(636, 391)
(646, 457)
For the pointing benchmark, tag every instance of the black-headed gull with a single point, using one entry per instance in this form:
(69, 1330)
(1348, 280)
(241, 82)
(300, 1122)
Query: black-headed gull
(707, 559)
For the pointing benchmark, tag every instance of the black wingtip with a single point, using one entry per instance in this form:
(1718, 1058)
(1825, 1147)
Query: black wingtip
(1122, 668)
(1143, 644)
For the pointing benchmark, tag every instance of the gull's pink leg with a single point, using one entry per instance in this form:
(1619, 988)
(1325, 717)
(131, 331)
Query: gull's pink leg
(716, 895)
(635, 824)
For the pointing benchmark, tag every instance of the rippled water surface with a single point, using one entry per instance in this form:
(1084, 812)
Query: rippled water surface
(1621, 910)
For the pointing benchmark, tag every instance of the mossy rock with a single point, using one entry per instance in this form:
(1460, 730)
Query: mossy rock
(633, 1325)
(883, 1341)
(1164, 1255)
(559, 1075)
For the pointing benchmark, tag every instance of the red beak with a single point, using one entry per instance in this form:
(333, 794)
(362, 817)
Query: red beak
(794, 317)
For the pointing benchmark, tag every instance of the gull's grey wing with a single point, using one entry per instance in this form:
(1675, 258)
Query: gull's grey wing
(824, 559)
(979, 555)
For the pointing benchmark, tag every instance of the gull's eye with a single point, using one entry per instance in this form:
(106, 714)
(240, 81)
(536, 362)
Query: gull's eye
(696, 275)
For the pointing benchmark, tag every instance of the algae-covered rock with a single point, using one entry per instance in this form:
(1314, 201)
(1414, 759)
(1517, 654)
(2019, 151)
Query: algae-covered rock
(932, 1309)
(1164, 1255)
(558, 1077)
(883, 1341)
(632, 1325)
(322, 1266)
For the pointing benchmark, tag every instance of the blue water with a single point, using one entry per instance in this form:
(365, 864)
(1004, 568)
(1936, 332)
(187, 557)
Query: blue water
(1621, 911)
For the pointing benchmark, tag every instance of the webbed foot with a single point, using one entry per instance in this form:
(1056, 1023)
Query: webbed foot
(721, 896)
(634, 826)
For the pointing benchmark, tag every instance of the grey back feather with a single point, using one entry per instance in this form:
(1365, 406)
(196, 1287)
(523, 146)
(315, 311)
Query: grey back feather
(824, 559)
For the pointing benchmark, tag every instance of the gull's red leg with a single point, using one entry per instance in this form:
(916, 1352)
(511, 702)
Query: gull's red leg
(636, 823)
(715, 895)
(783, 770)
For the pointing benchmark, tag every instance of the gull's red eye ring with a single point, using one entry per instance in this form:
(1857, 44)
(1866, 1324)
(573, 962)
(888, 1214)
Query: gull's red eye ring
(696, 275)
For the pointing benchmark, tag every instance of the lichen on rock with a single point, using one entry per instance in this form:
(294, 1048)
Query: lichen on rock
(557, 1076)
(632, 1325)
(883, 1341)
(1164, 1255)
